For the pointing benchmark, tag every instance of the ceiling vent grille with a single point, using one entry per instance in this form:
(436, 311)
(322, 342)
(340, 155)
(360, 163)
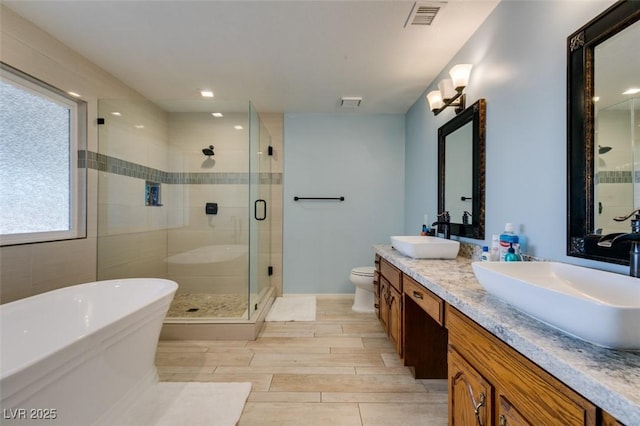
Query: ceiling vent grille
(423, 13)
(350, 102)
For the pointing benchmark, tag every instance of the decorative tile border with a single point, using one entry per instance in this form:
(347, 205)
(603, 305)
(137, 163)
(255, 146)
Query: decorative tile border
(105, 163)
(617, 176)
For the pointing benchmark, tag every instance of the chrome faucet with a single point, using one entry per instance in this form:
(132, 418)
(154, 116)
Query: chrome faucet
(444, 221)
(610, 240)
(465, 217)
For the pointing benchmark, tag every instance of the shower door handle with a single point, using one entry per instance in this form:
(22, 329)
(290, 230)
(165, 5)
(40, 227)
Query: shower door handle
(264, 209)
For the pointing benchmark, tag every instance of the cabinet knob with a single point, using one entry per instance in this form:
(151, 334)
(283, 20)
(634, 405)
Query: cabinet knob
(503, 420)
(417, 295)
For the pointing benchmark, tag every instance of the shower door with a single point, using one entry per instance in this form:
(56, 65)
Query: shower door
(260, 268)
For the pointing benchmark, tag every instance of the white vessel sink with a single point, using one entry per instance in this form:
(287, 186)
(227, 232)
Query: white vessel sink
(597, 306)
(420, 247)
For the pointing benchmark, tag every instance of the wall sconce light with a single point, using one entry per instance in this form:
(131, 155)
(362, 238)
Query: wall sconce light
(450, 90)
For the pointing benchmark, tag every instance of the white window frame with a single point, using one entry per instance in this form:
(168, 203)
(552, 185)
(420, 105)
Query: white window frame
(77, 144)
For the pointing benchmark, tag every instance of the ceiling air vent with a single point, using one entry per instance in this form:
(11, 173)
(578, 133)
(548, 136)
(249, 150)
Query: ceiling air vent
(423, 13)
(350, 102)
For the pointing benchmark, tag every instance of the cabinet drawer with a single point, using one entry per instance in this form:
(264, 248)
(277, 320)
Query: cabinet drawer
(392, 274)
(429, 302)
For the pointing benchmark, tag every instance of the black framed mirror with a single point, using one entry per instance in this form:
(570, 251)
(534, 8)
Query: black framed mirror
(601, 60)
(461, 171)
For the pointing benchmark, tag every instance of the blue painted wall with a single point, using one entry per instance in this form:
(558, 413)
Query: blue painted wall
(519, 57)
(360, 157)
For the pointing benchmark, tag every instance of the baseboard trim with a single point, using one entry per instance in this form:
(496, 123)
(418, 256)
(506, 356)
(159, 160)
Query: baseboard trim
(322, 295)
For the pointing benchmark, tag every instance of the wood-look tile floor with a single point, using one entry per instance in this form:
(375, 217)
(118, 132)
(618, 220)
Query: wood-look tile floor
(338, 370)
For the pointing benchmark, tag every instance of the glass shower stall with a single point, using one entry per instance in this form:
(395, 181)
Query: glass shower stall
(617, 164)
(184, 194)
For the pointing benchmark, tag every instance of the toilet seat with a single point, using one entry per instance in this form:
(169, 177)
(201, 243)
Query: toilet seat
(363, 271)
(362, 278)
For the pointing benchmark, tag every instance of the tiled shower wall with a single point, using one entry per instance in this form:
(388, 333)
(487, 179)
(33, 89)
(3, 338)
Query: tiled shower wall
(133, 147)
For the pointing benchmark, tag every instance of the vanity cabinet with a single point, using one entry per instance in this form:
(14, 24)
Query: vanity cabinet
(389, 301)
(492, 384)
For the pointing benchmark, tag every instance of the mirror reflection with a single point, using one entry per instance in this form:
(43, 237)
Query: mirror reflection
(603, 146)
(458, 174)
(461, 171)
(616, 131)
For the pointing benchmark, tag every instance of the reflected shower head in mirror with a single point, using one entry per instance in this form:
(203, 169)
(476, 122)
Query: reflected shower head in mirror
(603, 149)
(208, 151)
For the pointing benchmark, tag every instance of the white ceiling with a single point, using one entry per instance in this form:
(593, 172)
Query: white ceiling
(285, 56)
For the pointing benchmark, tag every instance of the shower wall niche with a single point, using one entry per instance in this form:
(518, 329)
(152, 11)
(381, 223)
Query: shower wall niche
(158, 184)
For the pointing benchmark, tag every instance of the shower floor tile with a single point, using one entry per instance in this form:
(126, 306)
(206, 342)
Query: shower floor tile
(202, 305)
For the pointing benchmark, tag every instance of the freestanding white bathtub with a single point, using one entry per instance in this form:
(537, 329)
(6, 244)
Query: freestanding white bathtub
(80, 354)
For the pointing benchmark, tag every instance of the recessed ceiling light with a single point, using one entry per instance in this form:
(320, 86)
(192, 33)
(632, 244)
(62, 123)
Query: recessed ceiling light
(116, 113)
(139, 126)
(238, 127)
(217, 114)
(74, 94)
(206, 93)
(631, 91)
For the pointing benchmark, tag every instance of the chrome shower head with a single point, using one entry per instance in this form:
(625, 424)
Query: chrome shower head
(208, 151)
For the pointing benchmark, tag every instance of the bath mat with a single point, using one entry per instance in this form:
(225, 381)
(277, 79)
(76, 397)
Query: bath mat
(188, 404)
(293, 309)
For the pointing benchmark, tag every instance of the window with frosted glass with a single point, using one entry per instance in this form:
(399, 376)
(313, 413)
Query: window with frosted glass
(40, 183)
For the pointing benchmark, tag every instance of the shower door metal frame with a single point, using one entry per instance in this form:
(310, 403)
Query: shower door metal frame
(259, 218)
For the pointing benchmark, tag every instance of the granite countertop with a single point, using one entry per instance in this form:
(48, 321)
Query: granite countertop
(608, 378)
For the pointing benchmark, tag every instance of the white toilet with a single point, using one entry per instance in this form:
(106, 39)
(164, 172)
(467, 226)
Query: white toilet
(362, 278)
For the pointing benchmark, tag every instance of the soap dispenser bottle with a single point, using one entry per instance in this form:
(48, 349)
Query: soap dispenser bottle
(511, 255)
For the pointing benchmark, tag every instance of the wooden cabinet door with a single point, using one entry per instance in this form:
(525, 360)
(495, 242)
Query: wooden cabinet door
(508, 415)
(470, 395)
(395, 319)
(384, 303)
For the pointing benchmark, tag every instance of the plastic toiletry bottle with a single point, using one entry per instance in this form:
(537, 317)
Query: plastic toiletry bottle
(425, 228)
(511, 255)
(485, 254)
(508, 239)
(495, 248)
